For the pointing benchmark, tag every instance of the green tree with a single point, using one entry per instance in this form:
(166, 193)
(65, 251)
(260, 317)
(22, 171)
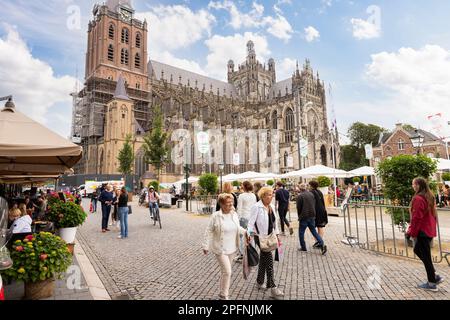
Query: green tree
(352, 157)
(270, 182)
(397, 174)
(154, 184)
(408, 127)
(361, 134)
(156, 149)
(208, 183)
(126, 157)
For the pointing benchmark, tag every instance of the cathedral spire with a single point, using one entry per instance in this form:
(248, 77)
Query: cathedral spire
(121, 92)
(113, 4)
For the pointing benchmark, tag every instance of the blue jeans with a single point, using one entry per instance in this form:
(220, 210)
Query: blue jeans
(153, 205)
(94, 205)
(311, 224)
(106, 210)
(123, 213)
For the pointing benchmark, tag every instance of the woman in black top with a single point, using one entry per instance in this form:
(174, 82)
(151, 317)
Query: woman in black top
(123, 213)
(321, 211)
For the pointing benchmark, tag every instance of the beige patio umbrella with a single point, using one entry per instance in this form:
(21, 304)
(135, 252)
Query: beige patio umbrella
(27, 148)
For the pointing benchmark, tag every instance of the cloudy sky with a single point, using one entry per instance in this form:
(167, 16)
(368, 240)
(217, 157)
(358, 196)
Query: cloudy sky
(386, 61)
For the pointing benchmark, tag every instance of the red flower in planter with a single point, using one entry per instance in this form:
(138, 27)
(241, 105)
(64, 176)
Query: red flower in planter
(19, 248)
(29, 237)
(43, 256)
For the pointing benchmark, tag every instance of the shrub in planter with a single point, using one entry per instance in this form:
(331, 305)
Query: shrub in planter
(208, 184)
(446, 176)
(235, 183)
(38, 259)
(324, 181)
(66, 214)
(270, 182)
(356, 180)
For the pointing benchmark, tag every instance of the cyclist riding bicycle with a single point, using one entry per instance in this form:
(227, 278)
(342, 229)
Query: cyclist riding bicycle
(152, 199)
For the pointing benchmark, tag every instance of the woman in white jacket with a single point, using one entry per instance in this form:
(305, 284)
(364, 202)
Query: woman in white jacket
(263, 222)
(222, 237)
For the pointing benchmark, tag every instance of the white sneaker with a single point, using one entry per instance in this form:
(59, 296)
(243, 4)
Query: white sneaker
(276, 293)
(119, 237)
(261, 286)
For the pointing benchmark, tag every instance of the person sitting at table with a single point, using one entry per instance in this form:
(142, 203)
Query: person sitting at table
(21, 223)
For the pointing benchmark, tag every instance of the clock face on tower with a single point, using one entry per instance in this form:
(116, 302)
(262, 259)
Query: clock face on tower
(125, 15)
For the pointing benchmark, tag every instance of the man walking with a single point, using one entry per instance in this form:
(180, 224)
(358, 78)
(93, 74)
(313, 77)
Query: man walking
(306, 210)
(282, 205)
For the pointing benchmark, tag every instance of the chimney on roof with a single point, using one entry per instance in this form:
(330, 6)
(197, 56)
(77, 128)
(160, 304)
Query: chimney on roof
(398, 126)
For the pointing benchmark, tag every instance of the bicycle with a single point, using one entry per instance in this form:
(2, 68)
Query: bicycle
(155, 215)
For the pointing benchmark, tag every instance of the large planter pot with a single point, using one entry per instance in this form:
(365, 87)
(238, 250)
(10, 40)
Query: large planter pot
(39, 290)
(68, 234)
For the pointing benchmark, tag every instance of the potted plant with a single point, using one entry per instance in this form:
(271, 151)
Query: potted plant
(38, 260)
(324, 183)
(356, 180)
(208, 187)
(67, 216)
(270, 182)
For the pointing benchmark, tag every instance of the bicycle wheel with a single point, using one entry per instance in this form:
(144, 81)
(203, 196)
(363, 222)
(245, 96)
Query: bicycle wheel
(159, 218)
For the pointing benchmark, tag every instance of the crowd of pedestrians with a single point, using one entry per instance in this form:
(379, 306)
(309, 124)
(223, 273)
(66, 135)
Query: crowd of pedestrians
(254, 219)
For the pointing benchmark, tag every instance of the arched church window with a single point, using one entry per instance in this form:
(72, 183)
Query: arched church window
(111, 32)
(289, 125)
(138, 40)
(110, 52)
(137, 61)
(124, 56)
(125, 35)
(274, 120)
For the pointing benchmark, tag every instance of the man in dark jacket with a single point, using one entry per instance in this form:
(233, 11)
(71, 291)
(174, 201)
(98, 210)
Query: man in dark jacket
(282, 204)
(306, 210)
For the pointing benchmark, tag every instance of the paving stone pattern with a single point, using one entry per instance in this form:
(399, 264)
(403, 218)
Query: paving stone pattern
(168, 263)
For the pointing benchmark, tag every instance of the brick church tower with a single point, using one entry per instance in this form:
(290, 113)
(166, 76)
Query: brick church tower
(117, 45)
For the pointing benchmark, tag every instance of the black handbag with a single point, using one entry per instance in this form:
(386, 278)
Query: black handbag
(130, 211)
(252, 256)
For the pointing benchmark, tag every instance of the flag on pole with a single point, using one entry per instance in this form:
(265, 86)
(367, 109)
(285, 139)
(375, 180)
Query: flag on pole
(436, 121)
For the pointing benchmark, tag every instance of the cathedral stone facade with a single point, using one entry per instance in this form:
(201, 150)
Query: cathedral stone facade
(121, 90)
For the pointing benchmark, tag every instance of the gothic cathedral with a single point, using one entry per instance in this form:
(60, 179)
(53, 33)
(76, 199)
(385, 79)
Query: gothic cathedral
(121, 89)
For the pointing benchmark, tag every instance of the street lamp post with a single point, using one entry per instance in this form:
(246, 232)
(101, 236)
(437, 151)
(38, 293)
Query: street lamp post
(186, 172)
(221, 166)
(417, 141)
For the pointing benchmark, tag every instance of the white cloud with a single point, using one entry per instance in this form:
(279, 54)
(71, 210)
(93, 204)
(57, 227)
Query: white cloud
(32, 82)
(363, 29)
(311, 34)
(175, 27)
(224, 48)
(277, 26)
(416, 82)
(286, 68)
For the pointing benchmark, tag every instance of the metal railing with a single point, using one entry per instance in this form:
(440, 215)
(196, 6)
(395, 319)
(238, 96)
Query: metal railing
(371, 226)
(202, 204)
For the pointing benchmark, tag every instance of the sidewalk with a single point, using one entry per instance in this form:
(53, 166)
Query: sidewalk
(15, 291)
(80, 282)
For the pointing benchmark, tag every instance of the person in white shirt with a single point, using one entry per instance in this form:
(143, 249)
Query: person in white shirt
(245, 202)
(262, 223)
(21, 224)
(222, 237)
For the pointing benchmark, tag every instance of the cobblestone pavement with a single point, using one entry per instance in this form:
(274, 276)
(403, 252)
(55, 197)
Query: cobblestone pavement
(71, 287)
(168, 263)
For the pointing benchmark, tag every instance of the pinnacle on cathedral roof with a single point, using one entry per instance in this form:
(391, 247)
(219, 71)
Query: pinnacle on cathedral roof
(121, 92)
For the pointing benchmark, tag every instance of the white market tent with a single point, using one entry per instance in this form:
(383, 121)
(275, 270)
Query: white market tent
(316, 171)
(442, 164)
(363, 171)
(190, 180)
(249, 175)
